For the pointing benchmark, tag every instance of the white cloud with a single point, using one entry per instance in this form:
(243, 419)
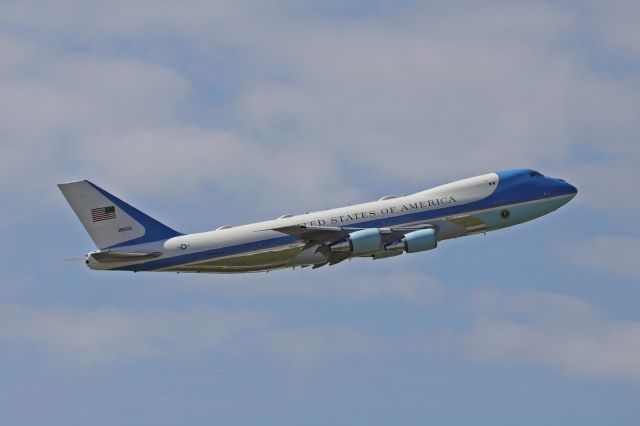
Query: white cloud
(530, 305)
(560, 332)
(466, 96)
(603, 350)
(96, 20)
(70, 95)
(604, 186)
(52, 104)
(362, 281)
(86, 336)
(616, 24)
(310, 345)
(612, 255)
(409, 95)
(410, 287)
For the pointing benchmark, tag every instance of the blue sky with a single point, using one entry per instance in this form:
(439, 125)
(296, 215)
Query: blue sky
(204, 114)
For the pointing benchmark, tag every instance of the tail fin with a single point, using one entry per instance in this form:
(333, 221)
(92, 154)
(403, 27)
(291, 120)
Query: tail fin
(110, 221)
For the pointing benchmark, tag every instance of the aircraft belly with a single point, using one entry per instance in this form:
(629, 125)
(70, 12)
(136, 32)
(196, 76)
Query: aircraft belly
(261, 260)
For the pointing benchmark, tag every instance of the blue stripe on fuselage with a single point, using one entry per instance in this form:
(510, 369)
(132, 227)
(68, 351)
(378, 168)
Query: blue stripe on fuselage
(514, 186)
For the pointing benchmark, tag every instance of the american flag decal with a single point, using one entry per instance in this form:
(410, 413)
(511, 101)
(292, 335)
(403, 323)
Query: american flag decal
(103, 213)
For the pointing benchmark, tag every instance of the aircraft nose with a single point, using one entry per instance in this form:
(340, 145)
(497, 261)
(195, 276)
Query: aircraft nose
(567, 187)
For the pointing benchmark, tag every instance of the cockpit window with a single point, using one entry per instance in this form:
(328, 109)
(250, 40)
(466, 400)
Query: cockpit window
(532, 174)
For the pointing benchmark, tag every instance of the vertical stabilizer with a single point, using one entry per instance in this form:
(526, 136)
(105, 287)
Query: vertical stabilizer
(110, 221)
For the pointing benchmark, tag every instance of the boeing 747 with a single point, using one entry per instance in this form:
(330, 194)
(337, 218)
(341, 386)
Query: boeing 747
(129, 240)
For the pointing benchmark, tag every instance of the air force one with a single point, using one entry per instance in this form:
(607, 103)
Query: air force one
(129, 240)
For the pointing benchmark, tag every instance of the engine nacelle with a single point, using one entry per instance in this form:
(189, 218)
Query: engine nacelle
(416, 241)
(363, 241)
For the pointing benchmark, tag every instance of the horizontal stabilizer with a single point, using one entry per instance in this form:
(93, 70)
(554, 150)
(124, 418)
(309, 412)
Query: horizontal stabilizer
(119, 256)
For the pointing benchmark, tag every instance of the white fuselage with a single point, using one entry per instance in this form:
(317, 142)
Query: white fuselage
(455, 209)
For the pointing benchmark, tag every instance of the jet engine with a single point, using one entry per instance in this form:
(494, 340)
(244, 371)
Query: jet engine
(416, 241)
(358, 242)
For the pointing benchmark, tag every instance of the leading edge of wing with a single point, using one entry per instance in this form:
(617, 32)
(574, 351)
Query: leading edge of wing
(320, 234)
(331, 234)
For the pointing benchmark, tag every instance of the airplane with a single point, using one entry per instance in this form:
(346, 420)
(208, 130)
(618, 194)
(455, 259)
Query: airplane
(129, 240)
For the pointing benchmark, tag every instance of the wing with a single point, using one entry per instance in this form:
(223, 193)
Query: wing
(324, 236)
(318, 234)
(333, 234)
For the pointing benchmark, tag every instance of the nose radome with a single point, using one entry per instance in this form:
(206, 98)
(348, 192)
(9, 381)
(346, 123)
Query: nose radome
(570, 189)
(567, 187)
